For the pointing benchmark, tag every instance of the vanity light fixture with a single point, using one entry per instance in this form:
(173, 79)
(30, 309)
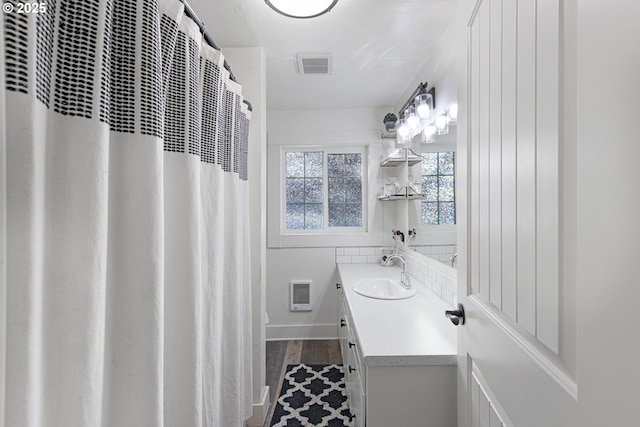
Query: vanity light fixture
(416, 114)
(301, 9)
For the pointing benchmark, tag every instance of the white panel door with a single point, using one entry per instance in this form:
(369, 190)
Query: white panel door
(549, 213)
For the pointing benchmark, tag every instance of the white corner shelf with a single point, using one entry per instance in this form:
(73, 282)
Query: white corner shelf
(389, 135)
(405, 193)
(403, 156)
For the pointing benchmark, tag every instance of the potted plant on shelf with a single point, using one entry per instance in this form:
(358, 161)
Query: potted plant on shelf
(390, 122)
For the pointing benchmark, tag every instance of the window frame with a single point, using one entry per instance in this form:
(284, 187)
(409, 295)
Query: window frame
(326, 150)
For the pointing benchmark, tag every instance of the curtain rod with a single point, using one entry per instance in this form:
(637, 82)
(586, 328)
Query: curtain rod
(207, 37)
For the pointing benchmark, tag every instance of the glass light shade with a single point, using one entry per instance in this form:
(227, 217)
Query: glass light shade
(453, 112)
(442, 126)
(412, 120)
(424, 106)
(429, 131)
(301, 8)
(402, 128)
(404, 132)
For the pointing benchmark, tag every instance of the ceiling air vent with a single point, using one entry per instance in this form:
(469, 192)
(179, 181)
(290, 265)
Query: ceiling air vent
(315, 63)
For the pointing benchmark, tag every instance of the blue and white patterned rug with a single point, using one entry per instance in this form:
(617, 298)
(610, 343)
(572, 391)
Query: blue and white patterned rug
(312, 395)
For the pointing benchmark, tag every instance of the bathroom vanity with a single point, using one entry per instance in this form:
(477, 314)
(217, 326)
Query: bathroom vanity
(399, 355)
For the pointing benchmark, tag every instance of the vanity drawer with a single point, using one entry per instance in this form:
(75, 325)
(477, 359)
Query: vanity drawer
(343, 329)
(357, 359)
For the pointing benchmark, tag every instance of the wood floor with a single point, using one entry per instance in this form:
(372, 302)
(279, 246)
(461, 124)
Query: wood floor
(283, 353)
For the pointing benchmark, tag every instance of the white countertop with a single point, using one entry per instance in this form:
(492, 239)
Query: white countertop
(411, 331)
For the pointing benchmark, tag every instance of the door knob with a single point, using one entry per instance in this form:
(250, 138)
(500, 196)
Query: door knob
(456, 316)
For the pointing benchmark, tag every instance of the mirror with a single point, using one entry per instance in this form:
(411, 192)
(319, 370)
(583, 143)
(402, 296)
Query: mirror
(434, 218)
(430, 224)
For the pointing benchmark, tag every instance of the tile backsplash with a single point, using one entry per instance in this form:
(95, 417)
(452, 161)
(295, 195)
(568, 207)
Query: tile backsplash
(435, 275)
(442, 253)
(364, 255)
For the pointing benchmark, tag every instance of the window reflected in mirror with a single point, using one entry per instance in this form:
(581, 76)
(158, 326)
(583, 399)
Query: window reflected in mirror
(438, 186)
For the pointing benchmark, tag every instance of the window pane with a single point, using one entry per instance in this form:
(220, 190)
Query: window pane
(447, 213)
(313, 216)
(295, 190)
(313, 190)
(345, 215)
(353, 215)
(336, 215)
(313, 164)
(352, 164)
(445, 163)
(295, 216)
(335, 163)
(295, 164)
(430, 213)
(430, 188)
(430, 164)
(336, 190)
(445, 184)
(353, 190)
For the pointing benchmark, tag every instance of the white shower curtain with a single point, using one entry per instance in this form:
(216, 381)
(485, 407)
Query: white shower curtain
(128, 288)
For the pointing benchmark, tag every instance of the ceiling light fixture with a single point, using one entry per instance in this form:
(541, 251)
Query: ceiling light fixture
(301, 9)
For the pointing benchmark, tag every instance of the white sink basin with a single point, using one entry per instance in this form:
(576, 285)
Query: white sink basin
(382, 288)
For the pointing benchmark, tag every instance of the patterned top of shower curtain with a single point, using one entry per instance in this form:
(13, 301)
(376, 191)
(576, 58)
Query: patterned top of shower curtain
(94, 61)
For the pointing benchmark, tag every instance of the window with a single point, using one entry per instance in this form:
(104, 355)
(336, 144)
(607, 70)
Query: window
(323, 190)
(438, 186)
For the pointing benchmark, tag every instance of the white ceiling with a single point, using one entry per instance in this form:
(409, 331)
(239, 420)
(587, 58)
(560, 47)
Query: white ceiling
(378, 47)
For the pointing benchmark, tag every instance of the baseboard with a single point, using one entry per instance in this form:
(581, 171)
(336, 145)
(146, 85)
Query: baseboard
(260, 409)
(302, 332)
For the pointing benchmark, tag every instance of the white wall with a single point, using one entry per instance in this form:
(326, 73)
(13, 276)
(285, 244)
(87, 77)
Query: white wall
(248, 65)
(608, 66)
(286, 264)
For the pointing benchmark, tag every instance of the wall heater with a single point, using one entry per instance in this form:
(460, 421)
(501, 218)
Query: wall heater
(301, 295)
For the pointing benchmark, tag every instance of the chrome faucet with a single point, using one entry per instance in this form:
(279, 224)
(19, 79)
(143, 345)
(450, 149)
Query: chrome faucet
(404, 277)
(453, 259)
